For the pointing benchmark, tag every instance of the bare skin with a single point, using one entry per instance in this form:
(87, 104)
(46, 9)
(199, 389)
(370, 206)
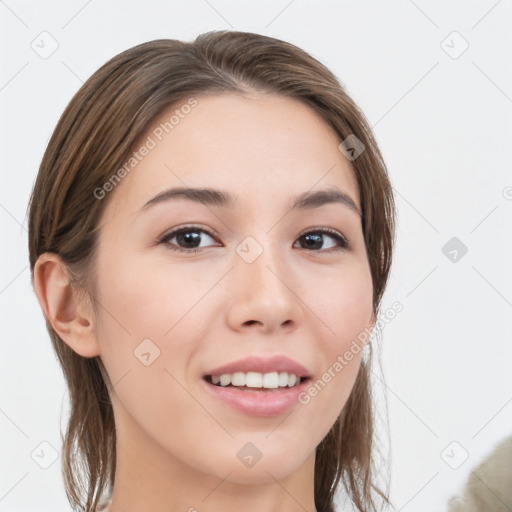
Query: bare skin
(177, 444)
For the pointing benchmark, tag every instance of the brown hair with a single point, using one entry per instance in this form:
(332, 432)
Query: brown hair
(95, 136)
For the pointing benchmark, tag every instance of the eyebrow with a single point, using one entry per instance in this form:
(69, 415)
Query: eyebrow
(219, 198)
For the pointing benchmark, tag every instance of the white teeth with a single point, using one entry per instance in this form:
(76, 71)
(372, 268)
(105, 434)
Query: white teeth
(283, 379)
(225, 379)
(238, 379)
(254, 380)
(270, 380)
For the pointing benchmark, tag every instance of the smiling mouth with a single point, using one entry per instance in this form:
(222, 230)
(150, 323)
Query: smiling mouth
(253, 381)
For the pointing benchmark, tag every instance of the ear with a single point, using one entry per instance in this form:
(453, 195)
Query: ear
(61, 306)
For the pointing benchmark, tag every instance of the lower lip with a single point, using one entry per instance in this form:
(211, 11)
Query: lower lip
(260, 404)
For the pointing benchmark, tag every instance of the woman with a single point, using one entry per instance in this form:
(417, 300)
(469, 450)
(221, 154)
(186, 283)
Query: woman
(210, 236)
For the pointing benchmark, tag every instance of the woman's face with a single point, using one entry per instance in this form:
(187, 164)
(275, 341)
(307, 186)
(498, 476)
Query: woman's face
(255, 285)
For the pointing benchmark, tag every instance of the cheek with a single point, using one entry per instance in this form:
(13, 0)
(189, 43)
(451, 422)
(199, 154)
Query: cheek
(151, 325)
(344, 304)
(145, 301)
(147, 339)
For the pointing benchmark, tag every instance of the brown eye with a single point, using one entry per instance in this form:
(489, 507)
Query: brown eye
(188, 239)
(315, 240)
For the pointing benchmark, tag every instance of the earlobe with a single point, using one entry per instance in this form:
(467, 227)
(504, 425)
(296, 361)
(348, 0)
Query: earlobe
(61, 305)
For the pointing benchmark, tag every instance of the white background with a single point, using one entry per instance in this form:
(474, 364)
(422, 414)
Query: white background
(444, 125)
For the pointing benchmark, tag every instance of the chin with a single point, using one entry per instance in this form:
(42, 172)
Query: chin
(261, 473)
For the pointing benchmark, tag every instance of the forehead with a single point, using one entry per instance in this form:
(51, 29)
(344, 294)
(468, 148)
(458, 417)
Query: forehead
(261, 148)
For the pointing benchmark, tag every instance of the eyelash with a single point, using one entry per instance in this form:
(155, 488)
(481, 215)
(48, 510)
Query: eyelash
(342, 241)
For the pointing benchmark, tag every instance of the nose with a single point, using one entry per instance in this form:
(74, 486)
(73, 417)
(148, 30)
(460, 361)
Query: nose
(265, 293)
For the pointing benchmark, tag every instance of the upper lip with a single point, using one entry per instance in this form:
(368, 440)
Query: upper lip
(262, 365)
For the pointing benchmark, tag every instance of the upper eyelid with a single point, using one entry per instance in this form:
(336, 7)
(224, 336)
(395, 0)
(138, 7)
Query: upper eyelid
(213, 233)
(173, 231)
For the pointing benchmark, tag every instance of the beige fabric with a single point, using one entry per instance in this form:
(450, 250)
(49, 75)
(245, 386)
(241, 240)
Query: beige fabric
(489, 486)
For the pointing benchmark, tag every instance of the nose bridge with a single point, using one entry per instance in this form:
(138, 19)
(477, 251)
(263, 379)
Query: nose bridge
(261, 260)
(263, 283)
